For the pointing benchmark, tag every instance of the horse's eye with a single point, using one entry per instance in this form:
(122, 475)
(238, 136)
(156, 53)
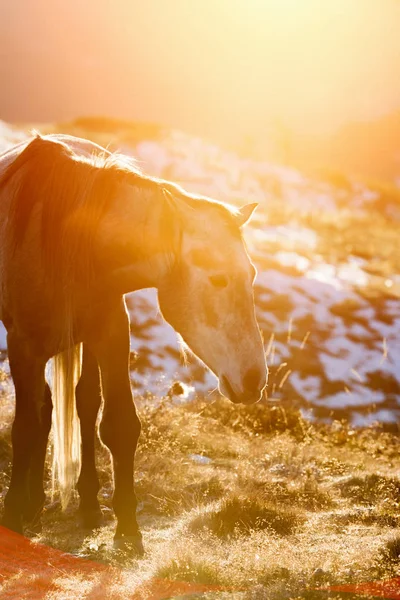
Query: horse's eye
(218, 281)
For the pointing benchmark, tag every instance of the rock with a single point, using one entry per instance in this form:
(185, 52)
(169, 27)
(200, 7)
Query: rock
(200, 459)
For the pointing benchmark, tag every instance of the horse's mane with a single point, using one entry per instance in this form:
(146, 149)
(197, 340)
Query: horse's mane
(49, 175)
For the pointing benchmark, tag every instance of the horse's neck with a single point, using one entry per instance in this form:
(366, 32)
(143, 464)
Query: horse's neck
(140, 233)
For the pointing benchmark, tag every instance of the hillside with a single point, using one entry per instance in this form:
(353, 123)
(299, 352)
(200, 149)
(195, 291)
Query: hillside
(302, 490)
(369, 149)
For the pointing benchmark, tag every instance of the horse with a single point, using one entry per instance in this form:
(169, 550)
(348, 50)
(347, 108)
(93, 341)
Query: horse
(80, 227)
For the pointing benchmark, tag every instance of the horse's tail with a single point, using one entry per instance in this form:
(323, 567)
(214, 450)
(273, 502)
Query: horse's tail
(66, 430)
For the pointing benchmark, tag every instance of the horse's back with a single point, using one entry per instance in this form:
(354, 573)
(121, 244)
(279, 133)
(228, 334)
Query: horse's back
(78, 145)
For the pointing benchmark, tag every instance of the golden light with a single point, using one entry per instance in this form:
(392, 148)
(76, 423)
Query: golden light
(227, 69)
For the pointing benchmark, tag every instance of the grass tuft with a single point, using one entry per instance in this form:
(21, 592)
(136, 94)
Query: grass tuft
(238, 515)
(371, 488)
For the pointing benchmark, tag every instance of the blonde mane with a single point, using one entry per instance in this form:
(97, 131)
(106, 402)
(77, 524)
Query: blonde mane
(49, 175)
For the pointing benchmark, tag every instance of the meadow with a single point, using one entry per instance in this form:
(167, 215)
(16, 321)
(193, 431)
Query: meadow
(256, 500)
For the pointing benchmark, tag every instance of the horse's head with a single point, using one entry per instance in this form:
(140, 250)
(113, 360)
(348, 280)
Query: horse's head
(208, 296)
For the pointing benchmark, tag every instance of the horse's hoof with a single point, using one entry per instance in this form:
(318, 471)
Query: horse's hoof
(91, 519)
(32, 520)
(130, 544)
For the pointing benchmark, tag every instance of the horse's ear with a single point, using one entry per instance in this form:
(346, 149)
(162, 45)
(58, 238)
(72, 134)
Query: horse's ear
(244, 213)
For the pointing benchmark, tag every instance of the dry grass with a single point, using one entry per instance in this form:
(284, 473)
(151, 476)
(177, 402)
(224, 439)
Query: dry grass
(249, 498)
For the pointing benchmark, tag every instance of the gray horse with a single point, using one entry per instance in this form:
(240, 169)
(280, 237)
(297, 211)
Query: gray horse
(79, 228)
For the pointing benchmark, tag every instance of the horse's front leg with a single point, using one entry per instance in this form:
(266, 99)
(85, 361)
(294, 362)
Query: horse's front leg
(120, 425)
(27, 371)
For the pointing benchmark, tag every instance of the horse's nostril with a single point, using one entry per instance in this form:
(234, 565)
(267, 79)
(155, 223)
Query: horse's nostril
(252, 379)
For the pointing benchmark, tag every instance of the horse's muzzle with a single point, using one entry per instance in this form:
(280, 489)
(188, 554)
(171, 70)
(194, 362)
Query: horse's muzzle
(249, 395)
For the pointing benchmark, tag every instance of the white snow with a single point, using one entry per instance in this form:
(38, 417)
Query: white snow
(3, 337)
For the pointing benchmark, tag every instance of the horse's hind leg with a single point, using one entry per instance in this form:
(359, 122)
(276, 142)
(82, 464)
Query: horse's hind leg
(36, 493)
(88, 399)
(27, 371)
(120, 425)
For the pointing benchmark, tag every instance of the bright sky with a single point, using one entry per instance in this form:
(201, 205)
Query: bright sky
(311, 63)
(225, 66)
